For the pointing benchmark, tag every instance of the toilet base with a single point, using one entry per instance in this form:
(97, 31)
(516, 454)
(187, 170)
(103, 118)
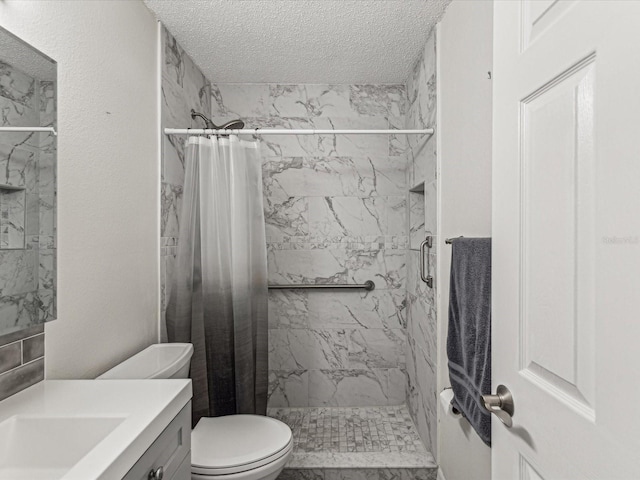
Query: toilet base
(237, 476)
(270, 471)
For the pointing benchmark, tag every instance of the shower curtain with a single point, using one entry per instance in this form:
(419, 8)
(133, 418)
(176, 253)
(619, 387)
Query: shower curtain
(219, 297)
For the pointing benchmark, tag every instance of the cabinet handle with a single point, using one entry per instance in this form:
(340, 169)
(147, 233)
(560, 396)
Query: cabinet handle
(156, 474)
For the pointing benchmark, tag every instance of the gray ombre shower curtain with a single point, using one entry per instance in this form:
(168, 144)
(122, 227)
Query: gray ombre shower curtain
(218, 300)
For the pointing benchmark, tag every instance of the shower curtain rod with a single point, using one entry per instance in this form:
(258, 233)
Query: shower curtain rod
(29, 129)
(284, 131)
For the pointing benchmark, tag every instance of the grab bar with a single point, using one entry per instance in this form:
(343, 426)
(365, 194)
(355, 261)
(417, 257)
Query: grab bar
(428, 279)
(368, 285)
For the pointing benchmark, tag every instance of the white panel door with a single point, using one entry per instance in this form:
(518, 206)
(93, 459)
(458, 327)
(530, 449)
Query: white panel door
(566, 238)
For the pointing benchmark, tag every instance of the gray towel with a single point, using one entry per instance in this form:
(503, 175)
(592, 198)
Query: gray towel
(469, 336)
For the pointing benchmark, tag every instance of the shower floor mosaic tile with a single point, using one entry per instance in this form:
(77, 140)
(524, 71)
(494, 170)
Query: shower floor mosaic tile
(354, 443)
(351, 429)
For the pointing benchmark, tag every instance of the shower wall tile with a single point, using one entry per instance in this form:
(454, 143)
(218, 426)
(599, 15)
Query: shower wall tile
(422, 393)
(171, 198)
(293, 349)
(47, 270)
(321, 145)
(336, 212)
(335, 217)
(386, 267)
(17, 165)
(308, 266)
(398, 143)
(239, 100)
(184, 87)
(286, 217)
(47, 103)
(334, 101)
(378, 100)
(421, 349)
(430, 208)
(424, 161)
(19, 273)
(421, 318)
(47, 220)
(364, 177)
(17, 114)
(12, 218)
(310, 100)
(356, 387)
(289, 309)
(17, 86)
(376, 348)
(378, 309)
(46, 174)
(416, 219)
(289, 388)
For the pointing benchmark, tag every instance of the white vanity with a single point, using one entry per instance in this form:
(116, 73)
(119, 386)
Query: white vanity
(89, 430)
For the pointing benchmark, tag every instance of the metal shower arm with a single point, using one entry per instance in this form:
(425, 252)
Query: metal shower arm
(207, 121)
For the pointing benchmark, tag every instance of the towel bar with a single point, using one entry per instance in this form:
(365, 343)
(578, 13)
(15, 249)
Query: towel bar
(449, 240)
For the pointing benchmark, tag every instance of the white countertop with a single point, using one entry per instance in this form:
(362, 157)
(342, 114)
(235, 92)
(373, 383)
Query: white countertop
(147, 406)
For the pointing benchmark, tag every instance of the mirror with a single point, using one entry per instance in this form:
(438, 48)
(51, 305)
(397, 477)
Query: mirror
(27, 185)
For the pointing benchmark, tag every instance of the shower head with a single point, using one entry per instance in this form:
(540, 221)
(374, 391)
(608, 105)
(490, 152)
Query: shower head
(232, 125)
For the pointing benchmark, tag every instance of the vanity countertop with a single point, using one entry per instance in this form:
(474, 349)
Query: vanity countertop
(140, 409)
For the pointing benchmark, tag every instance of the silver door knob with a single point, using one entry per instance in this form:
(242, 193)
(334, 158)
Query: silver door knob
(157, 474)
(500, 404)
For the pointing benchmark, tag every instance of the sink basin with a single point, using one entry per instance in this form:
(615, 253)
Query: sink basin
(46, 447)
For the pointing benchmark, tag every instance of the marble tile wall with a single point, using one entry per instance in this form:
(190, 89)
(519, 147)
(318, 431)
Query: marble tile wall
(421, 352)
(184, 87)
(27, 227)
(335, 213)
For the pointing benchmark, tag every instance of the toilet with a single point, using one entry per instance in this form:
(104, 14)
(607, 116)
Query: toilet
(233, 447)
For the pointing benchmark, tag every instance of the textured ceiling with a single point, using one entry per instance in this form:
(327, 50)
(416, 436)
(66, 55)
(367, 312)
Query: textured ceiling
(301, 41)
(24, 57)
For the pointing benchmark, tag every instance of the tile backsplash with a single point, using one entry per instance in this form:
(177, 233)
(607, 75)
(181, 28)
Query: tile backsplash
(21, 360)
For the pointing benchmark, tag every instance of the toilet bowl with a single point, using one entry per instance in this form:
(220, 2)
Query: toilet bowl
(233, 447)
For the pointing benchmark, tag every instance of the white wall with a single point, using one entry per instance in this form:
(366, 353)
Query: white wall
(465, 39)
(108, 177)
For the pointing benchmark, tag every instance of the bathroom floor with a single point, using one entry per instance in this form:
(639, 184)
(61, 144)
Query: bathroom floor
(332, 442)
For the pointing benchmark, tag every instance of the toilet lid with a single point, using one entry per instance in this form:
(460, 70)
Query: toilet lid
(227, 443)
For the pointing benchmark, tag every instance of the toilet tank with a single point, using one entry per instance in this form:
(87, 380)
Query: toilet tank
(162, 360)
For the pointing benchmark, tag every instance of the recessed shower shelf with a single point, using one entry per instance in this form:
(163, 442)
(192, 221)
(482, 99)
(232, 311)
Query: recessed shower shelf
(419, 188)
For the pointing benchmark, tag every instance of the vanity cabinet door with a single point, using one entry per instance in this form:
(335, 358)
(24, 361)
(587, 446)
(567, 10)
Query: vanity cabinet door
(184, 470)
(169, 452)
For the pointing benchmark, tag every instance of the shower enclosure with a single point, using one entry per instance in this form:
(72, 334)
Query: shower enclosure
(351, 370)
